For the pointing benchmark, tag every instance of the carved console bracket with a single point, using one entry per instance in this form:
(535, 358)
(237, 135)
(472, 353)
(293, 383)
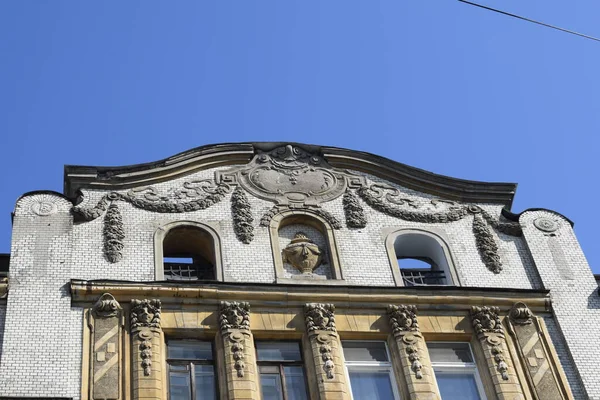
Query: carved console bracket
(234, 322)
(543, 368)
(105, 321)
(145, 323)
(403, 320)
(320, 325)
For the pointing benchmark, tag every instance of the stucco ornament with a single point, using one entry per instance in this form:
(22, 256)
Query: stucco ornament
(234, 315)
(546, 224)
(486, 320)
(291, 174)
(303, 254)
(145, 314)
(403, 318)
(520, 314)
(106, 306)
(319, 317)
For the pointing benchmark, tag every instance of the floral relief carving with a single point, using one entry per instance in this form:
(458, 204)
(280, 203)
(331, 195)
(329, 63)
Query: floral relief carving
(486, 320)
(234, 321)
(145, 316)
(242, 216)
(355, 214)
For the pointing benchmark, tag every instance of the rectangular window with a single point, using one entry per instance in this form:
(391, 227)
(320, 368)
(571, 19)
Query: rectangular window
(281, 371)
(455, 371)
(369, 370)
(191, 370)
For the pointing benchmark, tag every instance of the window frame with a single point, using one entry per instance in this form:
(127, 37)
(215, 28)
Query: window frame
(459, 367)
(280, 364)
(372, 365)
(190, 364)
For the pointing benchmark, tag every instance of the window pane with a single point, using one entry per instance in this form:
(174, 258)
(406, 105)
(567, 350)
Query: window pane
(371, 385)
(179, 385)
(365, 351)
(271, 387)
(457, 386)
(450, 352)
(278, 351)
(295, 385)
(181, 350)
(205, 382)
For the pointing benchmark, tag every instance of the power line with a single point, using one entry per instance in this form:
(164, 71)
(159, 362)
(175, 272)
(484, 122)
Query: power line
(530, 20)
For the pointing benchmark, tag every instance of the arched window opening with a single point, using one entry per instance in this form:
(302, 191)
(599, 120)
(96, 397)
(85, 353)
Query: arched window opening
(188, 254)
(422, 260)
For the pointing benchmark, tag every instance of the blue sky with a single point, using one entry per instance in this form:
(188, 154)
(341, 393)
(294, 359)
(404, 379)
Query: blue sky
(439, 85)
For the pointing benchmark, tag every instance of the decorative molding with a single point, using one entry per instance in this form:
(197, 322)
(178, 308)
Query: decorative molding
(277, 209)
(234, 322)
(324, 342)
(355, 214)
(501, 365)
(403, 318)
(242, 216)
(145, 316)
(486, 320)
(193, 196)
(106, 307)
(319, 317)
(290, 175)
(234, 315)
(415, 360)
(303, 254)
(114, 234)
(43, 208)
(546, 224)
(388, 200)
(520, 314)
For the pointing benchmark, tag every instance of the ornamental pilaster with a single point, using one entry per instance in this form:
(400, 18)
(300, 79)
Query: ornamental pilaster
(487, 326)
(326, 351)
(147, 368)
(414, 356)
(237, 344)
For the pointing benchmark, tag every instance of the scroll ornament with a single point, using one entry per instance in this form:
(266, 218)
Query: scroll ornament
(234, 319)
(388, 199)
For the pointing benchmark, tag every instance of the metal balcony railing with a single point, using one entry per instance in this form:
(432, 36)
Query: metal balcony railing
(188, 272)
(422, 277)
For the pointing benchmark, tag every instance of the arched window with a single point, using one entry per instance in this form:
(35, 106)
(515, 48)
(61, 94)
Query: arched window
(420, 258)
(187, 251)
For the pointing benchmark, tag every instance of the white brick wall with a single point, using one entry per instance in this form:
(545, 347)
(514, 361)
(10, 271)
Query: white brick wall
(41, 350)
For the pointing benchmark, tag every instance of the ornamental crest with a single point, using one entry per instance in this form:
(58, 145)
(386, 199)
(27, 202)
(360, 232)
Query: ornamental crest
(319, 317)
(303, 254)
(106, 307)
(145, 314)
(234, 315)
(403, 318)
(290, 174)
(486, 320)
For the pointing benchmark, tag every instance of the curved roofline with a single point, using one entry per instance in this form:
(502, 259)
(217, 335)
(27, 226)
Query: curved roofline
(216, 155)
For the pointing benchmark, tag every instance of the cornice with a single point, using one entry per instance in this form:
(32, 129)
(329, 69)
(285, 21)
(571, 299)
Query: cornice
(436, 298)
(217, 155)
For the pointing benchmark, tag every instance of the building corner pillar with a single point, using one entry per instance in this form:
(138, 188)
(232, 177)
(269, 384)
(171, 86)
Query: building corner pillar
(146, 349)
(326, 351)
(237, 344)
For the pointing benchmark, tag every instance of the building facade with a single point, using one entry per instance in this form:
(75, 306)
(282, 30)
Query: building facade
(290, 271)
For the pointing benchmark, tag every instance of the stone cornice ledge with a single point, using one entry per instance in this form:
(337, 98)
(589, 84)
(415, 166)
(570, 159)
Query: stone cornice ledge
(437, 298)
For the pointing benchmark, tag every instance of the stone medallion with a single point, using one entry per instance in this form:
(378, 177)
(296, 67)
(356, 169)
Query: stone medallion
(545, 224)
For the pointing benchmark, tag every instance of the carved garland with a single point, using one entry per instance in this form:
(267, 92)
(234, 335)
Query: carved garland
(233, 318)
(355, 215)
(403, 320)
(242, 216)
(487, 324)
(194, 196)
(387, 199)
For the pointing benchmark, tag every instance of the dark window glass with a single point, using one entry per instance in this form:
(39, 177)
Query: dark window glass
(191, 370)
(450, 352)
(281, 371)
(365, 351)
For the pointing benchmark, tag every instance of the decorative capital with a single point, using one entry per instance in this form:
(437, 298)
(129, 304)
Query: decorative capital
(234, 315)
(145, 314)
(106, 306)
(486, 320)
(403, 318)
(520, 314)
(319, 317)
